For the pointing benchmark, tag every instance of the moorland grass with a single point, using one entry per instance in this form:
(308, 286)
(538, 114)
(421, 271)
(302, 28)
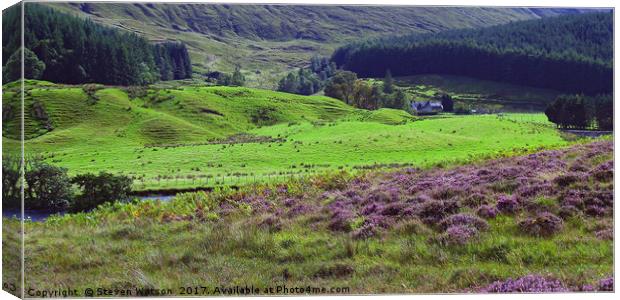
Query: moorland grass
(152, 244)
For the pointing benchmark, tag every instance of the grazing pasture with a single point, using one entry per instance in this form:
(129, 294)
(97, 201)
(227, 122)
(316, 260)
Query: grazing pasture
(210, 136)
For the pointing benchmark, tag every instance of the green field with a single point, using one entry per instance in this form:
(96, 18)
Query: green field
(207, 136)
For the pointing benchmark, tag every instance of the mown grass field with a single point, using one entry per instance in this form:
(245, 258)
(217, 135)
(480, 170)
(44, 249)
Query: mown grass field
(207, 136)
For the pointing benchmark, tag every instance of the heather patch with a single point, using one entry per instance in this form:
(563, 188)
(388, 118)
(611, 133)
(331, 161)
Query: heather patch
(606, 285)
(487, 211)
(543, 225)
(458, 235)
(415, 226)
(464, 220)
(527, 284)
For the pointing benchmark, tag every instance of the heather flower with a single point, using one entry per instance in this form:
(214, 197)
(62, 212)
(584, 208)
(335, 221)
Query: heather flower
(579, 165)
(534, 189)
(605, 234)
(341, 220)
(464, 220)
(527, 284)
(475, 199)
(458, 235)
(587, 288)
(432, 212)
(606, 285)
(567, 179)
(573, 198)
(604, 172)
(567, 211)
(390, 194)
(487, 211)
(544, 224)
(371, 208)
(507, 204)
(595, 210)
(289, 202)
(393, 209)
(367, 230)
(420, 198)
(300, 209)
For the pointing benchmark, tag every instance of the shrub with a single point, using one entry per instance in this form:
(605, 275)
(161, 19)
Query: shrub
(432, 212)
(90, 89)
(464, 220)
(567, 211)
(487, 211)
(341, 220)
(567, 179)
(475, 199)
(544, 224)
(605, 234)
(604, 172)
(47, 187)
(11, 190)
(606, 285)
(458, 235)
(507, 204)
(526, 284)
(99, 189)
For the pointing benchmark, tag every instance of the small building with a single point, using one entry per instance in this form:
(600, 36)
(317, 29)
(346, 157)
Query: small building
(426, 107)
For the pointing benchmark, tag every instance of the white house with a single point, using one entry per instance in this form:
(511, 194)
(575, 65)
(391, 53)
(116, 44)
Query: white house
(426, 107)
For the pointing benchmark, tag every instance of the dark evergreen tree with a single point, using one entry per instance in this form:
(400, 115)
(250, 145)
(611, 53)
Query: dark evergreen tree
(33, 67)
(388, 82)
(581, 112)
(237, 78)
(571, 53)
(446, 102)
(75, 50)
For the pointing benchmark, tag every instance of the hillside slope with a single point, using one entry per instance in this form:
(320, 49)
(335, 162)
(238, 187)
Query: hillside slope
(65, 115)
(267, 40)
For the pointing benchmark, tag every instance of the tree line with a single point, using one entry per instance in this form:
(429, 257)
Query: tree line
(582, 112)
(345, 85)
(48, 187)
(67, 49)
(571, 53)
(309, 80)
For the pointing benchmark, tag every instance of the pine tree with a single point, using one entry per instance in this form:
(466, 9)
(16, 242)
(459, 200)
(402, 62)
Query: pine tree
(388, 83)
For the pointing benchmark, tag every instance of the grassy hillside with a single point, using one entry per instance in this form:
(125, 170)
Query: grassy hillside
(194, 114)
(206, 136)
(267, 40)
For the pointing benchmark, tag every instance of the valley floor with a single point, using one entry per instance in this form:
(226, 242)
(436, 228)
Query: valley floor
(457, 229)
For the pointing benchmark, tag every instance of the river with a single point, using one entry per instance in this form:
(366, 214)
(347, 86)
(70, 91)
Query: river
(41, 215)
